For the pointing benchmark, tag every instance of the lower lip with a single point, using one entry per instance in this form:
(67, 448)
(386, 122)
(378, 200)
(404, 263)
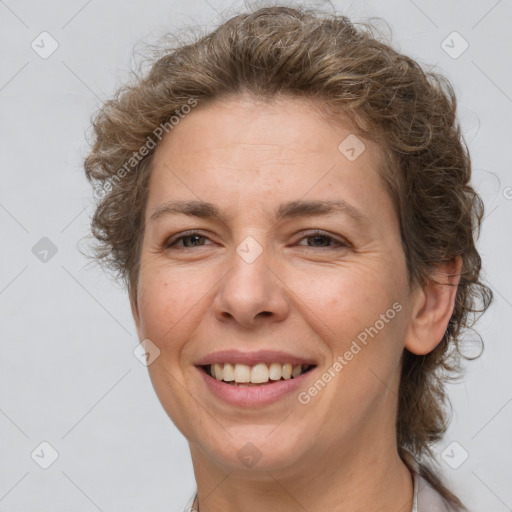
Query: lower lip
(253, 396)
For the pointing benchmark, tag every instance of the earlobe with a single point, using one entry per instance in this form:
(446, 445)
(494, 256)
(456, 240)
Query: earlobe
(432, 308)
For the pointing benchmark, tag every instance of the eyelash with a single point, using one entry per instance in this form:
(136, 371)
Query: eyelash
(171, 244)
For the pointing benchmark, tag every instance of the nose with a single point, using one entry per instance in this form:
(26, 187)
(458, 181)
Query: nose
(251, 294)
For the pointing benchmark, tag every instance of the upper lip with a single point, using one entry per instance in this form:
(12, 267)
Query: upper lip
(253, 358)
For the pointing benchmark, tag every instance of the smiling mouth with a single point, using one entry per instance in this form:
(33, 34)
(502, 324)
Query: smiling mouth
(257, 375)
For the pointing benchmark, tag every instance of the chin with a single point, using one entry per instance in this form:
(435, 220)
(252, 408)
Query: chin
(258, 448)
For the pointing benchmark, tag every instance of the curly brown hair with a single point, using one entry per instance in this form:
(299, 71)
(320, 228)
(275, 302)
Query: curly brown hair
(349, 70)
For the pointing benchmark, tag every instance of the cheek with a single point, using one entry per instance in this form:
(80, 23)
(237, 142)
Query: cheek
(347, 300)
(169, 305)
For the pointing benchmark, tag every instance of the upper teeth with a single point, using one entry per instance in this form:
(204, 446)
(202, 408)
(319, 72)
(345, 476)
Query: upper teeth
(257, 374)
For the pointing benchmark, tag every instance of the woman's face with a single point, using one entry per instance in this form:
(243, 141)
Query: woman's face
(296, 259)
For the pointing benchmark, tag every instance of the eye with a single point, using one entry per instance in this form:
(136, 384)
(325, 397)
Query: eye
(321, 239)
(190, 240)
(314, 239)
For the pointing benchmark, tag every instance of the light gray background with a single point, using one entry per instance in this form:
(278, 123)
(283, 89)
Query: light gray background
(67, 372)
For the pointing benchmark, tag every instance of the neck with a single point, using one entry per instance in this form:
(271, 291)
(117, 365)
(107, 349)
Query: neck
(372, 478)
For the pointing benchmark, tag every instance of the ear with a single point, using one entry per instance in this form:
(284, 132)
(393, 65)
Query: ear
(432, 308)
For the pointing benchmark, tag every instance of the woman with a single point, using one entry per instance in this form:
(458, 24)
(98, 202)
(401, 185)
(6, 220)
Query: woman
(288, 201)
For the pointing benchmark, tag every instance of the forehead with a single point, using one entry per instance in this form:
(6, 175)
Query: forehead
(286, 123)
(240, 148)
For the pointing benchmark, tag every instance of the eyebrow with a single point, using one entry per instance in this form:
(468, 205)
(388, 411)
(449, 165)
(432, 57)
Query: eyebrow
(291, 209)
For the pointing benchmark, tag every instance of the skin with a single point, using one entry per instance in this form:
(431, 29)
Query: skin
(303, 295)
